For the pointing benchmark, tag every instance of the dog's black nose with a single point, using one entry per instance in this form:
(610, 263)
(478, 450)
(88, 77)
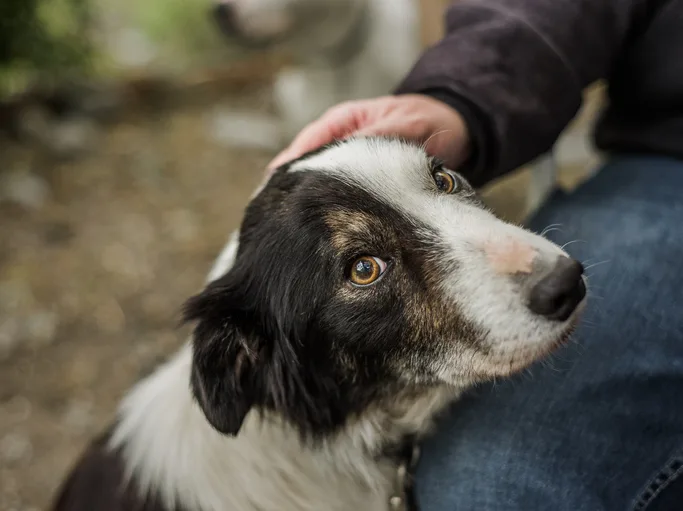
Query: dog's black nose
(224, 14)
(557, 294)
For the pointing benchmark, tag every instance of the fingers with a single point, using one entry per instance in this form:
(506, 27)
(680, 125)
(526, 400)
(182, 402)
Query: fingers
(418, 119)
(382, 129)
(312, 136)
(336, 123)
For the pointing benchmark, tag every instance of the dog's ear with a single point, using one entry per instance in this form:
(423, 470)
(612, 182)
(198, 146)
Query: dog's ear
(246, 354)
(226, 367)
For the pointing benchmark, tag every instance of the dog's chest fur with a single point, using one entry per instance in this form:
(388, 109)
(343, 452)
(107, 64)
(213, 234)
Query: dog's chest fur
(172, 459)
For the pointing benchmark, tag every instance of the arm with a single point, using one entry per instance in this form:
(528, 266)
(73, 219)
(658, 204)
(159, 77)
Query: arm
(515, 70)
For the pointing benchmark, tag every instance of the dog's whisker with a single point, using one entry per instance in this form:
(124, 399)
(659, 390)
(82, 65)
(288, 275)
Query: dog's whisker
(590, 266)
(572, 242)
(434, 135)
(550, 228)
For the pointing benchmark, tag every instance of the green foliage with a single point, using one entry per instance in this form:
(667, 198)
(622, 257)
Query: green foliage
(42, 37)
(184, 29)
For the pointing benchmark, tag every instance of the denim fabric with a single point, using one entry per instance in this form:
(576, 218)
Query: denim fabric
(600, 426)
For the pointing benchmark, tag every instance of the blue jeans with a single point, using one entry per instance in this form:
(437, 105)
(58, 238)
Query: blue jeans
(600, 427)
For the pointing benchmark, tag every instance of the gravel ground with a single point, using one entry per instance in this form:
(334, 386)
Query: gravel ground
(96, 257)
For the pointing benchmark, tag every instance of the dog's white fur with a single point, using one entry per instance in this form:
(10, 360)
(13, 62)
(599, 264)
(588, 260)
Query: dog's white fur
(317, 81)
(391, 47)
(168, 446)
(170, 449)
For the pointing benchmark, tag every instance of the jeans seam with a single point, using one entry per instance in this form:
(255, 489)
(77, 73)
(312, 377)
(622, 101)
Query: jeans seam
(667, 475)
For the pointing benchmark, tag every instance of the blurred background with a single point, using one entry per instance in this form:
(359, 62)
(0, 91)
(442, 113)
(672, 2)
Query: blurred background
(119, 183)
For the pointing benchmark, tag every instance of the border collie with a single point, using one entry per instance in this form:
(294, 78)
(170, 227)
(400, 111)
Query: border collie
(365, 290)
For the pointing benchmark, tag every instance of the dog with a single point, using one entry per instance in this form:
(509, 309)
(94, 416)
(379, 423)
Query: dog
(365, 290)
(340, 50)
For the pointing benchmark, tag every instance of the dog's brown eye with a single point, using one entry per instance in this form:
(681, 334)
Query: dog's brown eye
(446, 181)
(366, 270)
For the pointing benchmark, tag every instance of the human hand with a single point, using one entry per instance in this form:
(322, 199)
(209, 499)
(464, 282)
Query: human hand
(413, 117)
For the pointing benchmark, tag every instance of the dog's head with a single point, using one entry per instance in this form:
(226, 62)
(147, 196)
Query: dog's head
(365, 268)
(294, 25)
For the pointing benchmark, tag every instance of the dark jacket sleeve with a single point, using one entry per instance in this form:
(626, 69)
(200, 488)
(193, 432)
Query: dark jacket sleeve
(516, 70)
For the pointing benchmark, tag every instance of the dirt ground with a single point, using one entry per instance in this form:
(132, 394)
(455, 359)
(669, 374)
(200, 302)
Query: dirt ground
(93, 269)
(96, 257)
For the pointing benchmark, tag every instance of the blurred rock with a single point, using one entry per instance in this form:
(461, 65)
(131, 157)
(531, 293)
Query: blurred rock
(16, 409)
(9, 337)
(57, 233)
(245, 130)
(15, 447)
(62, 137)
(110, 317)
(118, 258)
(72, 136)
(81, 372)
(70, 303)
(137, 229)
(9, 499)
(155, 307)
(34, 329)
(15, 294)
(182, 225)
(147, 167)
(78, 417)
(24, 188)
(41, 328)
(32, 122)
(101, 102)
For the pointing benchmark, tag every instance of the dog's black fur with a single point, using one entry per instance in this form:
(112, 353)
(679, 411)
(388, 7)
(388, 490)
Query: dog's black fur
(98, 480)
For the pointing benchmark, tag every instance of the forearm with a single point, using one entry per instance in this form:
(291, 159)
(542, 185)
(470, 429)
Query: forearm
(519, 67)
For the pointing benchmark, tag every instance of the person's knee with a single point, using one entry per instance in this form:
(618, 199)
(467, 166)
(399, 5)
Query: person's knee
(509, 471)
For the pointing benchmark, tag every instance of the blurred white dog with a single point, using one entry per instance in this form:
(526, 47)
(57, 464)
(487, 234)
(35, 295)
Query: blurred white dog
(341, 50)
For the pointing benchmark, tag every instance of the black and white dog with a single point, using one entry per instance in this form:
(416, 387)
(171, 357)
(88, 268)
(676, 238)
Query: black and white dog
(366, 289)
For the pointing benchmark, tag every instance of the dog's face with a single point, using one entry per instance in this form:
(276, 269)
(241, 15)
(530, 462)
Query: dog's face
(365, 268)
(297, 25)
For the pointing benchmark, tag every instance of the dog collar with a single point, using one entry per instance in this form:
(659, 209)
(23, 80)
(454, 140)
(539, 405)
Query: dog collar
(403, 495)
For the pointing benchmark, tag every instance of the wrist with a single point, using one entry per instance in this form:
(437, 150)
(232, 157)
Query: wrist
(478, 153)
